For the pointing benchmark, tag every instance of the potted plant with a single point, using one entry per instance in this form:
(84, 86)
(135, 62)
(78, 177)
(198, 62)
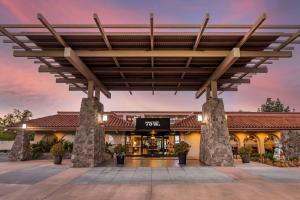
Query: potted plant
(57, 151)
(120, 153)
(181, 149)
(245, 154)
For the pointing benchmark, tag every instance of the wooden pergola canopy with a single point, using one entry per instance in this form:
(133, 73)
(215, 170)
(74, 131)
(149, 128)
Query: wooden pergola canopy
(163, 58)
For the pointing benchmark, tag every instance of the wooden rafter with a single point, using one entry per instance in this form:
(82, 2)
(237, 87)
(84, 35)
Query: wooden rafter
(280, 47)
(106, 40)
(196, 44)
(231, 58)
(150, 80)
(204, 70)
(73, 58)
(152, 46)
(176, 68)
(25, 47)
(157, 88)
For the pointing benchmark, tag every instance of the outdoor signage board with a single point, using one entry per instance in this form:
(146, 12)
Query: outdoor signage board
(153, 124)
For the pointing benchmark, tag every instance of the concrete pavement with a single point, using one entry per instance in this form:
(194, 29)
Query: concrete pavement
(43, 180)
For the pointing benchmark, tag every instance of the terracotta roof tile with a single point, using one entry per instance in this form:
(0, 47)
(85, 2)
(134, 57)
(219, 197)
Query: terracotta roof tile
(189, 122)
(71, 120)
(237, 120)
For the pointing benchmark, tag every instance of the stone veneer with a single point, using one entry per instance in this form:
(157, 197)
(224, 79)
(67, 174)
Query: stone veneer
(21, 149)
(215, 148)
(89, 142)
(291, 143)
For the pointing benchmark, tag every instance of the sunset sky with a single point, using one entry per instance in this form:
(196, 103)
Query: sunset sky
(21, 86)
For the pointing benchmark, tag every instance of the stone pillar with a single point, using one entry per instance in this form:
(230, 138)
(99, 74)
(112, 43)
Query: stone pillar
(215, 148)
(21, 149)
(291, 143)
(89, 142)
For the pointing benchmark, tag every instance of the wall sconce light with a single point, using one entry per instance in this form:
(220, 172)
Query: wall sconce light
(226, 116)
(24, 126)
(199, 118)
(104, 118)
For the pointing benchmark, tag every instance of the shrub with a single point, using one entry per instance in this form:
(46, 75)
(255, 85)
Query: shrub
(245, 152)
(119, 149)
(68, 146)
(58, 149)
(7, 136)
(182, 147)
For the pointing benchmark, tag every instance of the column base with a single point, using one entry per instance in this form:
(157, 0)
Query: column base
(215, 149)
(89, 142)
(21, 149)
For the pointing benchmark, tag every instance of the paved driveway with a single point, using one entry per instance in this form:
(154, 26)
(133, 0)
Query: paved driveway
(43, 180)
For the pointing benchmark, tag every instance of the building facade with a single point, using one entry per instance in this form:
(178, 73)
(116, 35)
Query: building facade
(154, 134)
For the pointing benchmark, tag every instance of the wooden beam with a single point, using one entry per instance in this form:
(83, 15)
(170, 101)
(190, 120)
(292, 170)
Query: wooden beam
(25, 47)
(230, 59)
(51, 29)
(277, 49)
(150, 80)
(91, 88)
(107, 43)
(154, 53)
(160, 26)
(71, 56)
(201, 70)
(251, 31)
(152, 46)
(208, 95)
(196, 44)
(214, 89)
(149, 88)
(221, 69)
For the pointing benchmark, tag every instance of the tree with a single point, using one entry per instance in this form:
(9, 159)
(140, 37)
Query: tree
(274, 106)
(9, 119)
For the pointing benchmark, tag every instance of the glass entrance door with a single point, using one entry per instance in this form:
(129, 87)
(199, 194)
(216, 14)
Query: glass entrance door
(152, 146)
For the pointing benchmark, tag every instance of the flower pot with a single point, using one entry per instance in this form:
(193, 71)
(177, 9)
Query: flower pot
(120, 159)
(182, 158)
(57, 160)
(246, 159)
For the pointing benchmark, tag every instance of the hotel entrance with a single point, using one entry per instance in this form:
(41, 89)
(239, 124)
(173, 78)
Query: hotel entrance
(146, 145)
(152, 138)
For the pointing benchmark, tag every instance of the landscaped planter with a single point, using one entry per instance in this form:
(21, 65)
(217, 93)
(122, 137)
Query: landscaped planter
(120, 154)
(120, 159)
(182, 158)
(182, 149)
(57, 160)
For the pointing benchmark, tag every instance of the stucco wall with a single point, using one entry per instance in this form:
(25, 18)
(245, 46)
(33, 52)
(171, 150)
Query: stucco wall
(194, 140)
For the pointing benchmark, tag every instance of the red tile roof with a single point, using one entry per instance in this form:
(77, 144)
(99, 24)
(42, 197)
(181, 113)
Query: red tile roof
(70, 120)
(235, 120)
(189, 122)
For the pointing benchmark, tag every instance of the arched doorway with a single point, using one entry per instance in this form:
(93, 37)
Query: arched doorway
(251, 142)
(270, 143)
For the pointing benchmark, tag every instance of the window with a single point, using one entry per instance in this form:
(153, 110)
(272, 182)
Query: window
(177, 139)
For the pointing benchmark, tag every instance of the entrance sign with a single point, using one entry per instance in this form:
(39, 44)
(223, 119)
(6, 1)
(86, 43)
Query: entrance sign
(153, 124)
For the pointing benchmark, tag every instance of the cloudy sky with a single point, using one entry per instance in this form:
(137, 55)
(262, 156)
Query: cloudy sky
(21, 86)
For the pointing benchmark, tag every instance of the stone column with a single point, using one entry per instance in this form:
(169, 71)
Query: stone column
(89, 142)
(215, 148)
(291, 143)
(21, 149)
